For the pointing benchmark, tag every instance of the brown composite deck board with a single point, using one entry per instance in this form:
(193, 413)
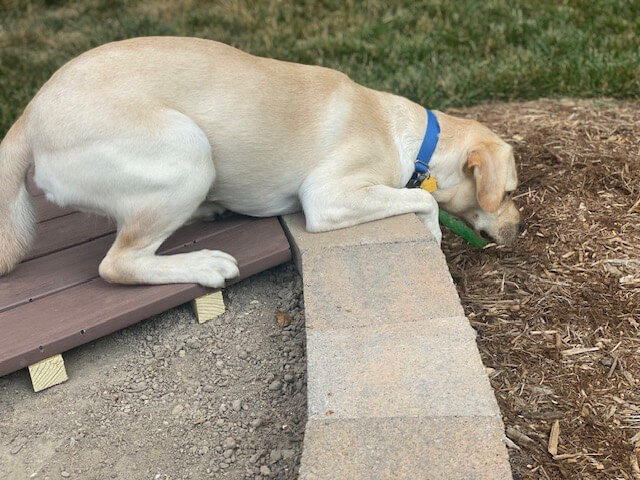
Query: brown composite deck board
(53, 273)
(77, 315)
(58, 271)
(63, 232)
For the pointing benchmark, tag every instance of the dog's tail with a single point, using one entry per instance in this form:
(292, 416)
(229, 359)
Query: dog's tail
(16, 212)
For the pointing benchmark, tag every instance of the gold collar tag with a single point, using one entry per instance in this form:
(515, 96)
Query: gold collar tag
(429, 184)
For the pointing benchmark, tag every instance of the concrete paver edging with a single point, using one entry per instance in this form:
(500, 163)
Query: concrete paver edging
(396, 386)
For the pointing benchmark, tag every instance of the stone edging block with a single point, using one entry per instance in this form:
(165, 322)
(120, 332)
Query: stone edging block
(429, 368)
(405, 448)
(396, 386)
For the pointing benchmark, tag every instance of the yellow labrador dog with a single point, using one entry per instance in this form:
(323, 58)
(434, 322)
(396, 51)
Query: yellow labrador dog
(156, 131)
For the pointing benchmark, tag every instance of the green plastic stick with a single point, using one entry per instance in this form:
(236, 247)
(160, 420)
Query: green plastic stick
(461, 229)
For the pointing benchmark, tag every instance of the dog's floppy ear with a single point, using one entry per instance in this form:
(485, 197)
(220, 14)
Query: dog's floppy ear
(487, 163)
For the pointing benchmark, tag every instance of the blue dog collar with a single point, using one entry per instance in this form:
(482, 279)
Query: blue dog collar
(429, 143)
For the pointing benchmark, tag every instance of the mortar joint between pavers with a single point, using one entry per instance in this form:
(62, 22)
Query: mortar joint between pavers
(473, 331)
(413, 241)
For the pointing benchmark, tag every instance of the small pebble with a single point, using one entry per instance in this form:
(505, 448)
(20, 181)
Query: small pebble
(256, 423)
(229, 442)
(288, 454)
(255, 457)
(177, 410)
(275, 455)
(275, 385)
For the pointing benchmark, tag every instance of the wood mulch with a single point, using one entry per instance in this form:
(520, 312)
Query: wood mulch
(558, 313)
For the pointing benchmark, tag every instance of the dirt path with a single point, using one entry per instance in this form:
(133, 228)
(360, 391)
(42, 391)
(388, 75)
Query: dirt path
(171, 399)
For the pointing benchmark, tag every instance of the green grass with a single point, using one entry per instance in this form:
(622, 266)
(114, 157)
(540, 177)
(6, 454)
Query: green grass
(441, 53)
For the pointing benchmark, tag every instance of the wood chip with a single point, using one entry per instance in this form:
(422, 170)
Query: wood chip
(579, 350)
(635, 469)
(614, 364)
(518, 435)
(554, 436)
(629, 281)
(596, 463)
(565, 456)
(511, 444)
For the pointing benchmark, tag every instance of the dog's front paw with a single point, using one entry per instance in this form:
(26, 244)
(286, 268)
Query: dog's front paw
(431, 222)
(437, 233)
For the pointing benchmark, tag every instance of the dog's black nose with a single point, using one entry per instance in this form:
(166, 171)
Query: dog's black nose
(486, 236)
(522, 226)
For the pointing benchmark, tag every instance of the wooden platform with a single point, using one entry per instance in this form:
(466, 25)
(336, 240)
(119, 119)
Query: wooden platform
(55, 301)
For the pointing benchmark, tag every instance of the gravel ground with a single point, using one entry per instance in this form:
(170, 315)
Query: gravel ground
(171, 399)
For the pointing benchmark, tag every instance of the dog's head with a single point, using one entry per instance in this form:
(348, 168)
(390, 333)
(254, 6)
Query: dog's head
(478, 188)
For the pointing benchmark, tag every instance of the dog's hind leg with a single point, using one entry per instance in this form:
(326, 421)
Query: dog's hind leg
(173, 187)
(132, 258)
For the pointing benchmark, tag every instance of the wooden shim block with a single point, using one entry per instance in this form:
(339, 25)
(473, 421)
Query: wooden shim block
(209, 306)
(47, 373)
